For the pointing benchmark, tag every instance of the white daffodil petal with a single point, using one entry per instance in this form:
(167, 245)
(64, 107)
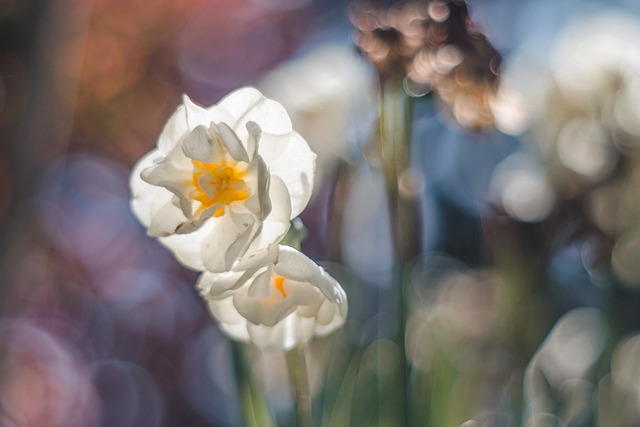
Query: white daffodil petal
(229, 237)
(254, 131)
(237, 331)
(225, 312)
(232, 142)
(174, 130)
(295, 265)
(143, 194)
(245, 223)
(264, 183)
(248, 104)
(280, 311)
(277, 224)
(197, 144)
(257, 259)
(291, 159)
(165, 220)
(194, 114)
(261, 285)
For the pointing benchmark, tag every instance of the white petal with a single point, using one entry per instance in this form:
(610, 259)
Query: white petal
(186, 247)
(222, 285)
(237, 331)
(143, 193)
(231, 322)
(195, 115)
(248, 104)
(253, 139)
(231, 142)
(257, 259)
(295, 265)
(286, 335)
(329, 287)
(265, 310)
(275, 226)
(197, 144)
(175, 129)
(166, 220)
(260, 287)
(290, 158)
(225, 241)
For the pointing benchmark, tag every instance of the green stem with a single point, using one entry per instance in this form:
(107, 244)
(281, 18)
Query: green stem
(394, 130)
(297, 368)
(254, 408)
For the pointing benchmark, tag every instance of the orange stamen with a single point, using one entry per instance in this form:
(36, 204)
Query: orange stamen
(218, 184)
(278, 282)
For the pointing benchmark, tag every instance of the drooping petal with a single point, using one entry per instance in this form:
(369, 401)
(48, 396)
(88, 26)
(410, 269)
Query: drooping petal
(295, 265)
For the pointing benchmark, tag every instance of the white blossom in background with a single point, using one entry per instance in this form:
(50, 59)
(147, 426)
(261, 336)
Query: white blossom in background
(224, 181)
(277, 300)
(329, 94)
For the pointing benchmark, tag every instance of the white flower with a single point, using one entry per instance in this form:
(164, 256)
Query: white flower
(223, 182)
(278, 300)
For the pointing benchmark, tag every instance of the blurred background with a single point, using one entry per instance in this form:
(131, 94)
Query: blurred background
(521, 303)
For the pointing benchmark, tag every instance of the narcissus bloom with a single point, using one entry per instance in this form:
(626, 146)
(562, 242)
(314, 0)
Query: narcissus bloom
(276, 299)
(224, 181)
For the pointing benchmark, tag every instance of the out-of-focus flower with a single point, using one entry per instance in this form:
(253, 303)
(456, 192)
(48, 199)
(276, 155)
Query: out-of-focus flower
(435, 45)
(582, 114)
(326, 94)
(276, 300)
(223, 181)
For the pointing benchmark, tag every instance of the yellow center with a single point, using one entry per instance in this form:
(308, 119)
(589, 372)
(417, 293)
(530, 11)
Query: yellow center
(218, 184)
(278, 282)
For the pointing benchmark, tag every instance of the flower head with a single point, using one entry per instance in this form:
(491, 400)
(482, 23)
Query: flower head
(278, 299)
(224, 181)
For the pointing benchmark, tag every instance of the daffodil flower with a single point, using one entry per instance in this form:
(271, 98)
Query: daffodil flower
(224, 181)
(276, 299)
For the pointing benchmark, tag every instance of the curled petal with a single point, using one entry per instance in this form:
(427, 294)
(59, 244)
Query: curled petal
(143, 194)
(283, 299)
(295, 265)
(197, 145)
(232, 142)
(253, 139)
(276, 225)
(290, 158)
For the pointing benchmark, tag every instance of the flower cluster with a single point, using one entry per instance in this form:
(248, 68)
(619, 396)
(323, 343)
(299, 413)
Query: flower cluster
(219, 191)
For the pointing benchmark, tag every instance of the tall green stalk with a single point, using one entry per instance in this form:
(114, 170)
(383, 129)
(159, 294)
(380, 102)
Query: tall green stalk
(297, 369)
(394, 136)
